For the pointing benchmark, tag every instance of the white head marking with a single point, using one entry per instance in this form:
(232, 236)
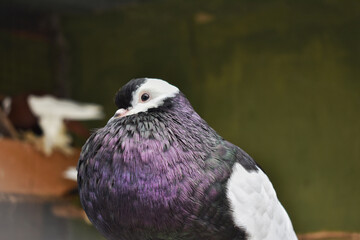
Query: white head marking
(157, 90)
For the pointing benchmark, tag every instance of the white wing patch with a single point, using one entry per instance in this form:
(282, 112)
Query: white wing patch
(255, 206)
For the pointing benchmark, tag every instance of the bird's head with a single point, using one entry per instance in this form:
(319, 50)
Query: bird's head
(143, 94)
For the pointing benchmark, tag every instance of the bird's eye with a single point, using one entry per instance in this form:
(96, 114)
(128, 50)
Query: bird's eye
(145, 97)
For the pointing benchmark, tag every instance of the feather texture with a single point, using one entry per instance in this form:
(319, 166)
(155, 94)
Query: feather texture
(165, 174)
(256, 207)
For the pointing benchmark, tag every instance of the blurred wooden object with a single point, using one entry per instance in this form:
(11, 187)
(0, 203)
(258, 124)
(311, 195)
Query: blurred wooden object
(329, 235)
(25, 170)
(70, 211)
(6, 128)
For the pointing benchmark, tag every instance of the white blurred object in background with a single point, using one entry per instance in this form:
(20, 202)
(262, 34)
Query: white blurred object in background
(71, 173)
(52, 112)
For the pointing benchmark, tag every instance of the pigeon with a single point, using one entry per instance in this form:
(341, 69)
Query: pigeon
(158, 171)
(51, 113)
(37, 114)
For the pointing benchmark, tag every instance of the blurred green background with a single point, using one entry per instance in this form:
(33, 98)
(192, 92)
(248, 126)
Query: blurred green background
(278, 78)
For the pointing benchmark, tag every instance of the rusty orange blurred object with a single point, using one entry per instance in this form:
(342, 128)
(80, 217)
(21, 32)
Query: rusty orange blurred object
(25, 170)
(329, 235)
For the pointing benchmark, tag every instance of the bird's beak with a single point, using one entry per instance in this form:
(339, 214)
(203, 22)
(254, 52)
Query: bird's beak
(121, 113)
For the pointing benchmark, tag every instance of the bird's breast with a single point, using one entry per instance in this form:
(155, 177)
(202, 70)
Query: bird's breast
(137, 187)
(146, 177)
